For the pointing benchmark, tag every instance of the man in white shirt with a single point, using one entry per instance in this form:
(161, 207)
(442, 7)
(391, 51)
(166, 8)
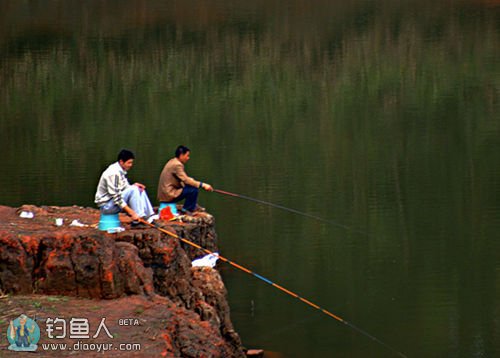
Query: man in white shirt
(115, 193)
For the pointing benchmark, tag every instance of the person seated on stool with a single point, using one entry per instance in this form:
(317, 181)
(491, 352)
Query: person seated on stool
(115, 193)
(175, 185)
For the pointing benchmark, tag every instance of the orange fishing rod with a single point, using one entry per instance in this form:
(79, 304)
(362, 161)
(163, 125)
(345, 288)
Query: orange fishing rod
(290, 210)
(293, 294)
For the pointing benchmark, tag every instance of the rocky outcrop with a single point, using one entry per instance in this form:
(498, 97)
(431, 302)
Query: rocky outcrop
(38, 257)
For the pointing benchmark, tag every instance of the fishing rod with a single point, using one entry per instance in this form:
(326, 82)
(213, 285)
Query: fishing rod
(290, 210)
(283, 289)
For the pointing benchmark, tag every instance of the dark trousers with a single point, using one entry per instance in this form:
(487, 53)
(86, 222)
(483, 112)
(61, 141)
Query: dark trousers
(190, 193)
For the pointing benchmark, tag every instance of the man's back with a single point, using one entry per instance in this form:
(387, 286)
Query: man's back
(169, 185)
(111, 183)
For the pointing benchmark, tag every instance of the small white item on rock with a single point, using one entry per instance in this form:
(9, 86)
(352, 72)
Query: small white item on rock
(153, 217)
(115, 230)
(59, 221)
(27, 215)
(208, 260)
(77, 223)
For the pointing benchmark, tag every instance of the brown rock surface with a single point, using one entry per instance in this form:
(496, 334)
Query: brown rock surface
(114, 272)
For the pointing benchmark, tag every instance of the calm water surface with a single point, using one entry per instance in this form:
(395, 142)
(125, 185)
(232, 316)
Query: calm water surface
(379, 115)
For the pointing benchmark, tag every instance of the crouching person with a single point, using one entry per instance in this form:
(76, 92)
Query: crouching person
(115, 193)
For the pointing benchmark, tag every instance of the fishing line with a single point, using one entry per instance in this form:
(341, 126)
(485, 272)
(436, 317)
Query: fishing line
(293, 294)
(331, 222)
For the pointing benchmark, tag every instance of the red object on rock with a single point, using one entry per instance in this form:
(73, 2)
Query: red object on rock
(166, 213)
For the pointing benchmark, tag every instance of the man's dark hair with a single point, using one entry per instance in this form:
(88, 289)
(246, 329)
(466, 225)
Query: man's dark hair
(182, 149)
(125, 155)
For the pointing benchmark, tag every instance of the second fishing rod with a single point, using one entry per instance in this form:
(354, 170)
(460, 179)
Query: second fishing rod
(295, 211)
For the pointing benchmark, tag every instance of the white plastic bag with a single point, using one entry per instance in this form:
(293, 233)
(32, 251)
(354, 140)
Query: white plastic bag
(208, 260)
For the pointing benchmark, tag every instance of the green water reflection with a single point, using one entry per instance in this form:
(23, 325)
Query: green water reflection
(382, 116)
